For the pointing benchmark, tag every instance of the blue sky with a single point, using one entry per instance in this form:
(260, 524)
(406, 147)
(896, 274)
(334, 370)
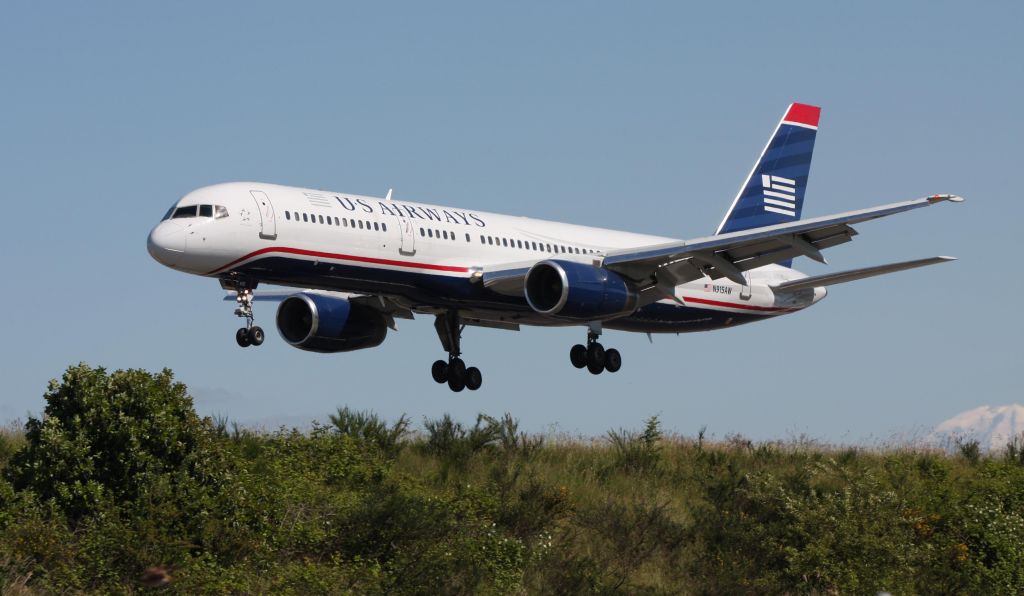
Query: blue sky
(640, 117)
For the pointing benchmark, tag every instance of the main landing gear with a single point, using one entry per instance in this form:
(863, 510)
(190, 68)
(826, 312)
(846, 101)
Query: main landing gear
(454, 372)
(593, 356)
(250, 335)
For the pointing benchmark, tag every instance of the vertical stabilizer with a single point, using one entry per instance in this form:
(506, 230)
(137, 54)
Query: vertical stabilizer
(773, 193)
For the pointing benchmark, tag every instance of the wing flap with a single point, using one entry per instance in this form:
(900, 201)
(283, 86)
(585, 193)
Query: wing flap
(830, 279)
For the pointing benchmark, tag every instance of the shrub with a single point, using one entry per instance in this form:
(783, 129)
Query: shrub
(110, 437)
(637, 452)
(454, 444)
(370, 429)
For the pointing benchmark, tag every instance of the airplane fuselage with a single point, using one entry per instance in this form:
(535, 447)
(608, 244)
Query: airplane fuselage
(428, 258)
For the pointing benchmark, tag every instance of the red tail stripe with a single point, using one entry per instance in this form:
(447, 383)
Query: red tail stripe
(340, 257)
(803, 114)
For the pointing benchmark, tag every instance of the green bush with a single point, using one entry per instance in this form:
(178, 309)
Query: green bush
(112, 438)
(369, 428)
(120, 475)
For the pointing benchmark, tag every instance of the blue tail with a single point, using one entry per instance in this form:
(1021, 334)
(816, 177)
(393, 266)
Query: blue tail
(774, 191)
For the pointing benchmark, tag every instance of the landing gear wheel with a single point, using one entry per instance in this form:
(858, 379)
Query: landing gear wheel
(439, 371)
(595, 358)
(256, 336)
(473, 378)
(578, 355)
(242, 337)
(456, 378)
(457, 368)
(612, 360)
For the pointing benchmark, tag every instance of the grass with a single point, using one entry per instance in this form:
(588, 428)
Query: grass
(366, 506)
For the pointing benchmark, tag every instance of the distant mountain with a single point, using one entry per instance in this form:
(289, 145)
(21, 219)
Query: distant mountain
(992, 426)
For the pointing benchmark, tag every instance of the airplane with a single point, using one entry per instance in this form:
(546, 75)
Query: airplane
(361, 262)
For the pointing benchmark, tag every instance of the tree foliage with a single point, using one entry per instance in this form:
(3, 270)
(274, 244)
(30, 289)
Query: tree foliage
(120, 485)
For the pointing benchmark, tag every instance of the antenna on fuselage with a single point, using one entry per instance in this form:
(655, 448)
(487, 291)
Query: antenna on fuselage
(388, 198)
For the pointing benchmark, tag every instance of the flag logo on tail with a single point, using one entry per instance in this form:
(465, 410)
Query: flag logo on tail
(779, 194)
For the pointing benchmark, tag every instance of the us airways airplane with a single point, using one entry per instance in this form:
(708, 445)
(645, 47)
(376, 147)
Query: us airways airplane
(362, 262)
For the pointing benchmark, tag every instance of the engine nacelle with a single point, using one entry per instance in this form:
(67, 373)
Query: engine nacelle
(319, 323)
(569, 290)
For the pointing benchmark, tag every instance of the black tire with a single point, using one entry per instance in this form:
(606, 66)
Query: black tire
(578, 355)
(242, 337)
(612, 360)
(456, 382)
(595, 358)
(256, 336)
(457, 368)
(439, 371)
(473, 378)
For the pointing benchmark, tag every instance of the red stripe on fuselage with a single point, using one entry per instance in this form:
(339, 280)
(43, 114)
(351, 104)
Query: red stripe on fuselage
(688, 300)
(340, 257)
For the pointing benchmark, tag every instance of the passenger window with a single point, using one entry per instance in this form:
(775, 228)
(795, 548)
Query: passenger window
(430, 233)
(490, 240)
(189, 211)
(351, 223)
(360, 224)
(337, 222)
(423, 233)
(376, 227)
(467, 237)
(288, 215)
(305, 218)
(384, 227)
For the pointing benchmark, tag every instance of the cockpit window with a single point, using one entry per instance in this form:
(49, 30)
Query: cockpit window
(189, 211)
(206, 211)
(221, 211)
(168, 214)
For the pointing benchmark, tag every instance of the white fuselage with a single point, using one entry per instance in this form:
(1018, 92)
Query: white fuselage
(427, 257)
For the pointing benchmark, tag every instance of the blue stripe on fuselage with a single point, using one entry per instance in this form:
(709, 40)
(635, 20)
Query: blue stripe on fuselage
(444, 291)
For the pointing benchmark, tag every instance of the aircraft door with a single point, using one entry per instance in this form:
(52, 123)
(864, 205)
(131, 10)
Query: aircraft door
(407, 245)
(268, 219)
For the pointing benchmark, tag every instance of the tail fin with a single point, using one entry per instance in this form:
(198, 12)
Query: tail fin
(774, 191)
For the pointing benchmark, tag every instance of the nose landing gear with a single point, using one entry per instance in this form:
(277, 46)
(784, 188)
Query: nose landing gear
(593, 356)
(454, 371)
(250, 335)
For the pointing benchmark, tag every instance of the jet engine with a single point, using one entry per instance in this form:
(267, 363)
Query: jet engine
(568, 290)
(319, 323)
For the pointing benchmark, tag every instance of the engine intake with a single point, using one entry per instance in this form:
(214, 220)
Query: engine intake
(319, 323)
(569, 290)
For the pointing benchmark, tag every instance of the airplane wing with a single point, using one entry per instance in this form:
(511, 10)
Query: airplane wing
(831, 279)
(658, 269)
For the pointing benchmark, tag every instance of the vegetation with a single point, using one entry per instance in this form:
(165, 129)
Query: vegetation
(121, 487)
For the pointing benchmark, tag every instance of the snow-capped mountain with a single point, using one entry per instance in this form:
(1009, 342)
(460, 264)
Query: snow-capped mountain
(992, 426)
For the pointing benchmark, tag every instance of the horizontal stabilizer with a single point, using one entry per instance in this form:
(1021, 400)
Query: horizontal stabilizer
(855, 274)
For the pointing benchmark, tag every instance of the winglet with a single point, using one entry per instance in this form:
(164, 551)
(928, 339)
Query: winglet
(388, 198)
(950, 198)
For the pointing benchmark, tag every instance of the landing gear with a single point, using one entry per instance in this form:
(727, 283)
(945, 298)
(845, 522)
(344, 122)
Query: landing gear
(454, 371)
(593, 356)
(250, 335)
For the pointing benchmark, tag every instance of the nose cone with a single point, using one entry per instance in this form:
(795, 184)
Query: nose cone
(166, 243)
